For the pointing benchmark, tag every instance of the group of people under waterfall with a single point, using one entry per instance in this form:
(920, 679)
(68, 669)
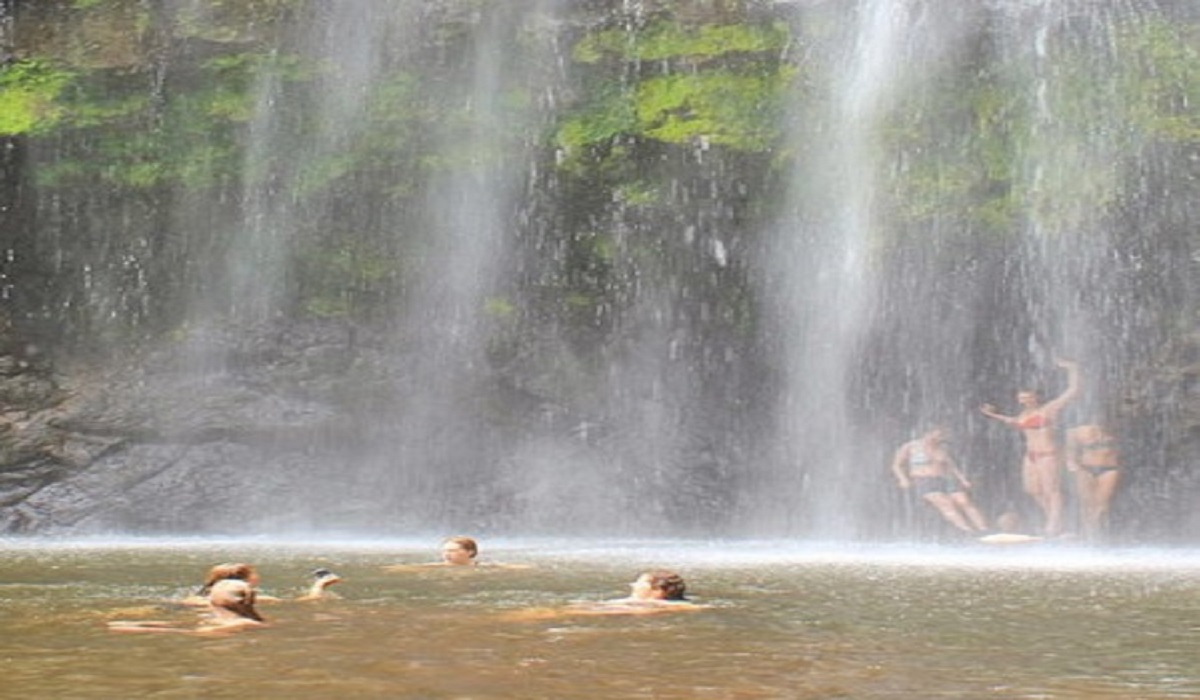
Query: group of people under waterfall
(229, 595)
(926, 468)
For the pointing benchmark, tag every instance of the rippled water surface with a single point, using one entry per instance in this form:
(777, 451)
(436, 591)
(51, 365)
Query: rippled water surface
(787, 621)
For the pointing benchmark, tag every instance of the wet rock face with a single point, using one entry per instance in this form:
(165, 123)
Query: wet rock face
(152, 446)
(266, 440)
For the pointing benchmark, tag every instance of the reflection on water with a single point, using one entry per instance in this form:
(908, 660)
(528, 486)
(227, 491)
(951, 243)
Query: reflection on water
(787, 622)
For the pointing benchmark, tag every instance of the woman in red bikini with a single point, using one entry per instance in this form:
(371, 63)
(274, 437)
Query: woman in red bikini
(1093, 457)
(1041, 464)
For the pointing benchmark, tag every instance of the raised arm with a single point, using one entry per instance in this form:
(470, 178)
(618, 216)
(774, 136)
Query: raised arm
(990, 411)
(899, 460)
(1072, 390)
(1071, 448)
(323, 578)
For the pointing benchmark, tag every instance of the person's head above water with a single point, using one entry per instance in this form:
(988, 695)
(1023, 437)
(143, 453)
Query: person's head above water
(658, 585)
(229, 572)
(234, 596)
(459, 551)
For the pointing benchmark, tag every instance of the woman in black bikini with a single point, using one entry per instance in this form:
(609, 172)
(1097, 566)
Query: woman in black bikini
(925, 466)
(1041, 464)
(1093, 457)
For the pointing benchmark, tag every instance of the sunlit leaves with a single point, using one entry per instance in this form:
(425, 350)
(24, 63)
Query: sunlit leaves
(1162, 84)
(670, 41)
(29, 92)
(719, 107)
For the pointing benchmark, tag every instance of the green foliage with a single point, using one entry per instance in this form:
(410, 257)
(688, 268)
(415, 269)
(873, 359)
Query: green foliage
(729, 89)
(190, 137)
(736, 109)
(609, 114)
(664, 41)
(638, 193)
(227, 22)
(241, 70)
(497, 307)
(29, 93)
(337, 274)
(722, 107)
(1161, 81)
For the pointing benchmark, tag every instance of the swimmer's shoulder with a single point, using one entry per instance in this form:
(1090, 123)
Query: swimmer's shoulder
(434, 565)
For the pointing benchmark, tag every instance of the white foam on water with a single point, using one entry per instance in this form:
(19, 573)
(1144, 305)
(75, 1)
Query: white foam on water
(694, 553)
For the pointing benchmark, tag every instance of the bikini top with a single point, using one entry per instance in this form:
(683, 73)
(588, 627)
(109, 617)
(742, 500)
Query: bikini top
(1099, 444)
(1033, 422)
(918, 456)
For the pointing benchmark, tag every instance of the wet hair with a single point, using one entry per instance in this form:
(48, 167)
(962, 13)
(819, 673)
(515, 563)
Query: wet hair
(466, 543)
(670, 583)
(236, 596)
(226, 572)
(943, 428)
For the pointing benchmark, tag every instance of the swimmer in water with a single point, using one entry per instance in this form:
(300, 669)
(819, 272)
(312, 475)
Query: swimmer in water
(227, 572)
(651, 593)
(1041, 462)
(230, 608)
(322, 580)
(458, 552)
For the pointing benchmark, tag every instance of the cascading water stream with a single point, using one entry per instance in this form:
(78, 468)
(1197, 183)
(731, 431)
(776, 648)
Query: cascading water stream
(426, 453)
(823, 281)
(1069, 171)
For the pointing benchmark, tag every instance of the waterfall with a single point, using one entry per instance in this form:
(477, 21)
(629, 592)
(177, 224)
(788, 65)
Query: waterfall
(821, 276)
(624, 267)
(886, 319)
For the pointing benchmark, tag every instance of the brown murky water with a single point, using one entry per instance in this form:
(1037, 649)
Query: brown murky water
(787, 622)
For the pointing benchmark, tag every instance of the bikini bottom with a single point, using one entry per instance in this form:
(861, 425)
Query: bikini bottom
(923, 485)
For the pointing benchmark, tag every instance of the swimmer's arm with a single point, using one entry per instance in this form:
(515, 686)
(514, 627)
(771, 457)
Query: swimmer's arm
(1072, 451)
(990, 411)
(151, 626)
(396, 568)
(952, 466)
(155, 627)
(622, 606)
(634, 609)
(416, 567)
(898, 462)
(308, 597)
(317, 590)
(534, 614)
(1072, 390)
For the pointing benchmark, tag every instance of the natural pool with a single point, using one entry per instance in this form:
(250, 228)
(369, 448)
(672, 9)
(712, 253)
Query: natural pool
(788, 621)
